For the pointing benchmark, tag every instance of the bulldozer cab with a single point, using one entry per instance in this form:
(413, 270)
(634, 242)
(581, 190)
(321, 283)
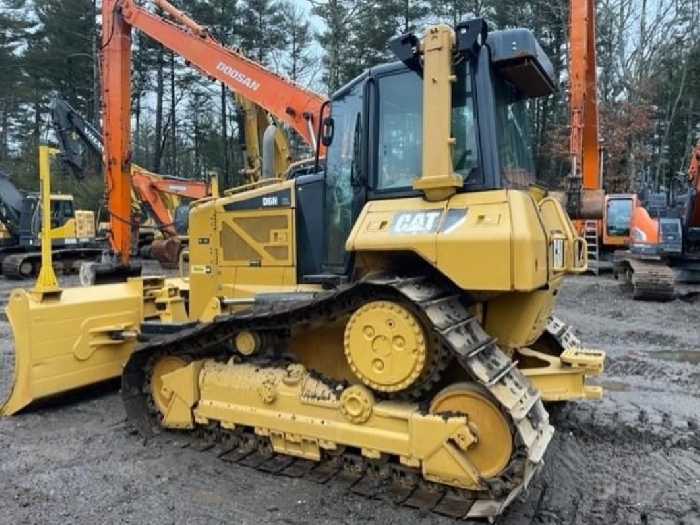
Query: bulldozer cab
(375, 137)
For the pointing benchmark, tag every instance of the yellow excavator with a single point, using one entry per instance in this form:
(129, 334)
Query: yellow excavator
(387, 317)
(254, 123)
(72, 232)
(266, 148)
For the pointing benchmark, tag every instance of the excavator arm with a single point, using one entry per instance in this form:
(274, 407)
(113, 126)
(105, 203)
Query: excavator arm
(149, 190)
(288, 101)
(584, 184)
(584, 139)
(293, 104)
(73, 133)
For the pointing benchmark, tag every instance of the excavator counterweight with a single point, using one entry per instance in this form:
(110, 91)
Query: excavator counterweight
(389, 317)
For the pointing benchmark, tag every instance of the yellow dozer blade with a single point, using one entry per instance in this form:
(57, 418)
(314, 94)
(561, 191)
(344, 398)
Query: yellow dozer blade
(71, 338)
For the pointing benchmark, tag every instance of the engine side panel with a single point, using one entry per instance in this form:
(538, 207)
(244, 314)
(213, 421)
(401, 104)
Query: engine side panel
(472, 238)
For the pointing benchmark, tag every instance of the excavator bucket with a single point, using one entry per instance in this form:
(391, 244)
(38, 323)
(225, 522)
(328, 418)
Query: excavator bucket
(166, 251)
(71, 338)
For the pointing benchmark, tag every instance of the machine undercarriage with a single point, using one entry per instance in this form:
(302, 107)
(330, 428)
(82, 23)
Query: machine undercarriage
(650, 278)
(412, 418)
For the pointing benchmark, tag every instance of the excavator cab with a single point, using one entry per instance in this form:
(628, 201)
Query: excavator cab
(618, 217)
(62, 219)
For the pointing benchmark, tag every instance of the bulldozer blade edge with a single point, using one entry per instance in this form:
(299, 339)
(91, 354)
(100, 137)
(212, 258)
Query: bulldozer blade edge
(77, 339)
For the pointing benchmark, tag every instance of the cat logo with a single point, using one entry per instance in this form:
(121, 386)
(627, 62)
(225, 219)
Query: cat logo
(412, 222)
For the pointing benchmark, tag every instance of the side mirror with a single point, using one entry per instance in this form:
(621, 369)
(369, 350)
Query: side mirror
(328, 130)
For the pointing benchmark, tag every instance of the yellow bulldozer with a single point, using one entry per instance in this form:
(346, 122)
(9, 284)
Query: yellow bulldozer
(388, 317)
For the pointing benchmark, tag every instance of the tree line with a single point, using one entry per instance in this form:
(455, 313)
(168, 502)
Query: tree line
(184, 124)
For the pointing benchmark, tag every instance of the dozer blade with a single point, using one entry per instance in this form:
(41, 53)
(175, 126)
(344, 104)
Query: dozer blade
(166, 251)
(80, 337)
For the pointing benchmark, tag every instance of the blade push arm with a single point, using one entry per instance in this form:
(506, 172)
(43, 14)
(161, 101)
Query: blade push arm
(293, 104)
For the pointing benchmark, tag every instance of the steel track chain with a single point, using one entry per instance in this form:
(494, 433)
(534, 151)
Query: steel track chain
(459, 332)
(650, 281)
(563, 333)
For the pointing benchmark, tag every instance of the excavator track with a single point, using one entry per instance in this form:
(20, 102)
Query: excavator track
(465, 344)
(19, 266)
(649, 280)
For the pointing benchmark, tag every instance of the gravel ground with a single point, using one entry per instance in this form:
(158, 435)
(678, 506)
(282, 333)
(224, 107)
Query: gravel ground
(633, 457)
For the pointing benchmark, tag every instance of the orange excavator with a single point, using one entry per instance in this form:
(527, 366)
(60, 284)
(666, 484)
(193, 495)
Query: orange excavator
(665, 245)
(150, 190)
(75, 134)
(612, 232)
(291, 103)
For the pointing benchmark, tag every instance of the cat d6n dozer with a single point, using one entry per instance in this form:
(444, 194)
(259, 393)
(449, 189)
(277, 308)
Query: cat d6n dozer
(388, 318)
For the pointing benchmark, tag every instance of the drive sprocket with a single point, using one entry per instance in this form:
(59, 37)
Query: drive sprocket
(386, 346)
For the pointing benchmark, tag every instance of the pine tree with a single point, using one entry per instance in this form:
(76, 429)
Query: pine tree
(11, 38)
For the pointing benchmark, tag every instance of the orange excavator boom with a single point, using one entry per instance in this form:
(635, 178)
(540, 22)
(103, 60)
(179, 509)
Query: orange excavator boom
(584, 139)
(288, 101)
(115, 59)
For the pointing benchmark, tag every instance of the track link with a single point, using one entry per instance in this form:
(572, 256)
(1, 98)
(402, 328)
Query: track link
(19, 266)
(462, 338)
(650, 280)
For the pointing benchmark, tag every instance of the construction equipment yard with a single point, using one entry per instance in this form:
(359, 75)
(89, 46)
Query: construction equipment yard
(390, 306)
(633, 457)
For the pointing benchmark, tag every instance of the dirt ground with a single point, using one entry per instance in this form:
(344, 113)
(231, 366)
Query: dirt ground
(633, 457)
